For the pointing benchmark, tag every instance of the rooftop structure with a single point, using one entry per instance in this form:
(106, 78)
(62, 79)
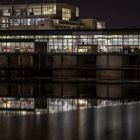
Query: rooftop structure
(52, 15)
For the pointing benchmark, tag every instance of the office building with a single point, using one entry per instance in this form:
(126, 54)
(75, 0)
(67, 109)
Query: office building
(48, 56)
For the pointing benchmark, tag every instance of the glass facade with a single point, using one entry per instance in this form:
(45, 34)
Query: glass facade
(16, 47)
(21, 10)
(81, 42)
(66, 14)
(31, 14)
(49, 9)
(26, 21)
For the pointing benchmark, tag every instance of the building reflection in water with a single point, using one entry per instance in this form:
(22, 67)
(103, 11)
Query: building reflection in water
(108, 123)
(27, 106)
(43, 96)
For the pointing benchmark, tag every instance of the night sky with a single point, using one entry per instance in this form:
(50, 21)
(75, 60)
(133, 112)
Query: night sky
(117, 13)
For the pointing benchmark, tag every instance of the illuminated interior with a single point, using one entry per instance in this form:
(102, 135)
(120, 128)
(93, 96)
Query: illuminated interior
(66, 14)
(71, 43)
(49, 9)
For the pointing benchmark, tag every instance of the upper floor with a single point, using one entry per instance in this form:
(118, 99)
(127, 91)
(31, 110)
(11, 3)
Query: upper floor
(51, 15)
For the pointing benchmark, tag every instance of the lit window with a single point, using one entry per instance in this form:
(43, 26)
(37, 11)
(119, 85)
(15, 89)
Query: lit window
(4, 20)
(6, 12)
(100, 25)
(77, 11)
(36, 11)
(17, 12)
(30, 11)
(49, 9)
(66, 14)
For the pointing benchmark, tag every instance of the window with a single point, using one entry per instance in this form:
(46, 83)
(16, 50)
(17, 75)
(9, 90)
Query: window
(77, 11)
(100, 25)
(6, 12)
(66, 14)
(17, 12)
(36, 11)
(17, 46)
(49, 9)
(30, 11)
(23, 11)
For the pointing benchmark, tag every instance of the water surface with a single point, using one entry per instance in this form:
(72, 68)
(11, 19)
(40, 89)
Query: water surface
(108, 123)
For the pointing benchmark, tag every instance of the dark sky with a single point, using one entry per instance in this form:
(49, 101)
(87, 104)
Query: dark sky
(117, 13)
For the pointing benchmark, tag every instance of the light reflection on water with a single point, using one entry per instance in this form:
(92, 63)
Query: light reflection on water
(54, 105)
(64, 105)
(108, 123)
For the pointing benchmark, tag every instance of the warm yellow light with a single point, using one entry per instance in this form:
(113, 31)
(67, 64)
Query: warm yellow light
(23, 112)
(8, 104)
(38, 112)
(82, 102)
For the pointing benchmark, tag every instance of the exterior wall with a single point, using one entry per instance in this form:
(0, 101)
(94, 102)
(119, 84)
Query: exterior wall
(93, 24)
(71, 78)
(68, 6)
(107, 65)
(110, 91)
(64, 90)
(11, 16)
(64, 65)
(88, 23)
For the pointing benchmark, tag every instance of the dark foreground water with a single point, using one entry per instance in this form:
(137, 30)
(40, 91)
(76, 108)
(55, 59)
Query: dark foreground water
(109, 123)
